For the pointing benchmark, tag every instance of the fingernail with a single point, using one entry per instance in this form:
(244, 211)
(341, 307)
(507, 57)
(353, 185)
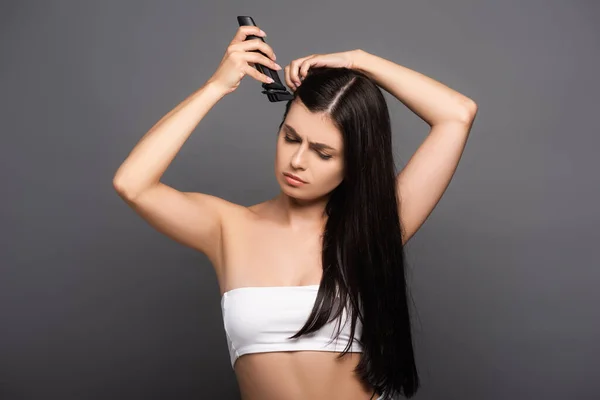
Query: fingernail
(278, 66)
(263, 33)
(270, 80)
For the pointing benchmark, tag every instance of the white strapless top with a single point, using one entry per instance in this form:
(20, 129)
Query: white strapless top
(260, 319)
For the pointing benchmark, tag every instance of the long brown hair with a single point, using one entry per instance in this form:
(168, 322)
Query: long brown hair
(363, 257)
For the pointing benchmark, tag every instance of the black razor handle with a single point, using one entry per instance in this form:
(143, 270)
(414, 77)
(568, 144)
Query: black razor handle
(275, 91)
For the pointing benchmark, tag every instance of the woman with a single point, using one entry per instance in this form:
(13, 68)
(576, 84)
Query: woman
(314, 296)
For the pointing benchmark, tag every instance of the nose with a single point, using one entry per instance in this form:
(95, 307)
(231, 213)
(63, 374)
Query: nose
(298, 159)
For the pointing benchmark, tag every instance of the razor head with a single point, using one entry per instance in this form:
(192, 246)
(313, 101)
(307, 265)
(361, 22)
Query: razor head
(275, 91)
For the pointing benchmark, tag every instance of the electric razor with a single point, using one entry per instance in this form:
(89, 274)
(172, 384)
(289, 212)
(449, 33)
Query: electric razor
(275, 91)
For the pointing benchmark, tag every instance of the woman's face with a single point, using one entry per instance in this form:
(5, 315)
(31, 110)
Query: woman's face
(310, 147)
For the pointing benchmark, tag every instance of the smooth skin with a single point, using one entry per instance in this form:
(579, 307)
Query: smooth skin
(278, 242)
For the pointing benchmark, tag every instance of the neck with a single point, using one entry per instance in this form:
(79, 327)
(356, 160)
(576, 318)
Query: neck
(300, 214)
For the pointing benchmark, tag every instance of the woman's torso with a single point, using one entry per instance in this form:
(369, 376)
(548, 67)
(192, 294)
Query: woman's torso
(257, 252)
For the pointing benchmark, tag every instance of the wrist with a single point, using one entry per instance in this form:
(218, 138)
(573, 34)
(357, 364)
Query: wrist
(214, 88)
(359, 57)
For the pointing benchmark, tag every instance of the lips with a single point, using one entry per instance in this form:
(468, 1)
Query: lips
(294, 176)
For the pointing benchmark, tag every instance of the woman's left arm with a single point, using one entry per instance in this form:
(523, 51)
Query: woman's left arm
(450, 114)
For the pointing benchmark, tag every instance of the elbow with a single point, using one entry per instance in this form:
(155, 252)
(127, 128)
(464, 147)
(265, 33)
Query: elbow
(122, 189)
(468, 110)
(119, 186)
(131, 190)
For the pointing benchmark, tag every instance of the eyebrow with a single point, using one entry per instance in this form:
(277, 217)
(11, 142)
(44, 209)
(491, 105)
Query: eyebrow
(315, 144)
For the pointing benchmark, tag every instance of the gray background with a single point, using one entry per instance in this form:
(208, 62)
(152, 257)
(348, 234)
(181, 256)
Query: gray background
(94, 304)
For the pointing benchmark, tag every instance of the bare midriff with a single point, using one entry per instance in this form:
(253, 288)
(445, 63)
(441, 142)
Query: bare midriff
(300, 375)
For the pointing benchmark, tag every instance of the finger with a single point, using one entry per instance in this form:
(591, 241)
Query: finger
(294, 73)
(309, 62)
(304, 68)
(295, 69)
(245, 31)
(256, 44)
(261, 59)
(288, 81)
(257, 75)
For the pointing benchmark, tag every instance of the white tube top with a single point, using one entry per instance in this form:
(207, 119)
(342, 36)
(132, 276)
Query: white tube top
(260, 319)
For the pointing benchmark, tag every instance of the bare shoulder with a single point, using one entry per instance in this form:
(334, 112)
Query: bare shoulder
(223, 206)
(236, 221)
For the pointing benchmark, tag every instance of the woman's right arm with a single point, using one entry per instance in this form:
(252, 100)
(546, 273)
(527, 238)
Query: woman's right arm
(193, 219)
(155, 151)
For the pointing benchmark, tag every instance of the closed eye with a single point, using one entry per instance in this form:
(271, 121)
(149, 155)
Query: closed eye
(323, 156)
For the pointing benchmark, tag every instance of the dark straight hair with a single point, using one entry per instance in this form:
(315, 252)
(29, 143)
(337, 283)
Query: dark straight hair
(363, 256)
